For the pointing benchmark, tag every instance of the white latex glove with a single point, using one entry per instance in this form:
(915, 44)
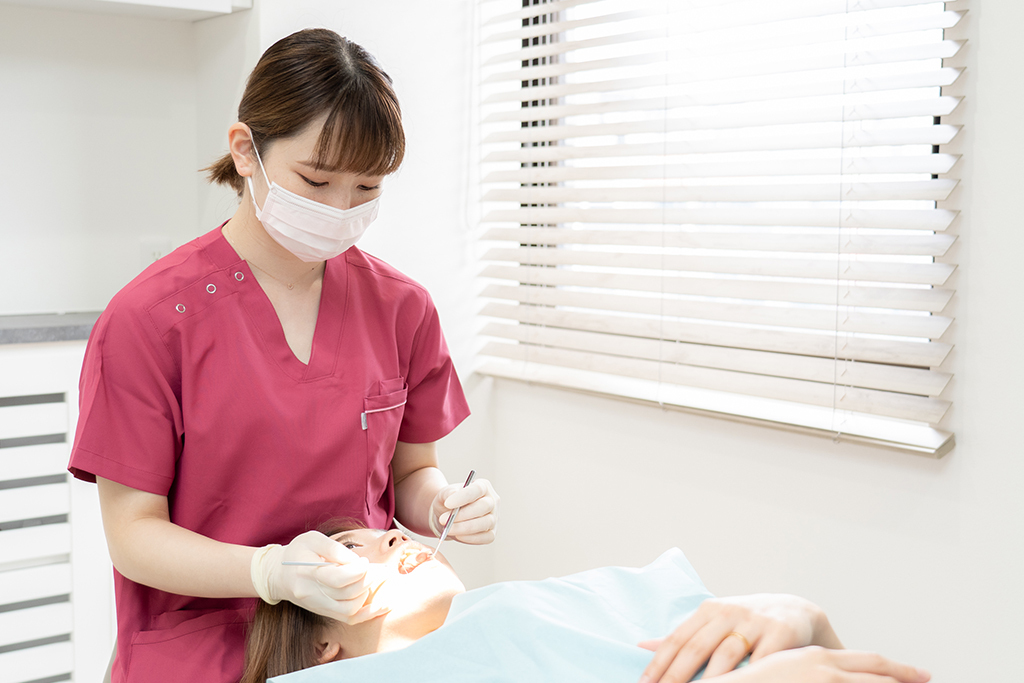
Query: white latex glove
(339, 591)
(476, 522)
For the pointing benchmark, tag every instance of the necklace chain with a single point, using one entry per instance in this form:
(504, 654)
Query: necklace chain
(289, 285)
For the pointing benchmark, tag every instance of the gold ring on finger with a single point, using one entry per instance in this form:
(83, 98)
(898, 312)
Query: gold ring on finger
(741, 637)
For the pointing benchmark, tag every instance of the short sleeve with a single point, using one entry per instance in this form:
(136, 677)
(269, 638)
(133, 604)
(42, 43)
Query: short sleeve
(436, 403)
(129, 425)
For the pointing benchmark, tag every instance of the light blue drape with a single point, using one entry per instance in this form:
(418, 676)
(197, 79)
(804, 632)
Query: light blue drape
(579, 628)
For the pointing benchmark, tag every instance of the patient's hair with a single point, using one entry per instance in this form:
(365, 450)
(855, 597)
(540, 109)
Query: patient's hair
(283, 637)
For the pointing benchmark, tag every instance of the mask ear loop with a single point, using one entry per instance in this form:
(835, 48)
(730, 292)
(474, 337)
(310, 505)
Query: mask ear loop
(248, 179)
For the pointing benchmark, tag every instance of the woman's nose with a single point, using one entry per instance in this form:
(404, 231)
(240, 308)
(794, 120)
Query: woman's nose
(392, 539)
(346, 199)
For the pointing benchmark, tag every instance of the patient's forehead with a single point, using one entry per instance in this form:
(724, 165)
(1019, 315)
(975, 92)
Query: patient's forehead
(364, 535)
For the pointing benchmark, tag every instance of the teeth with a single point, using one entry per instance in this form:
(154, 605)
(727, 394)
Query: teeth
(411, 558)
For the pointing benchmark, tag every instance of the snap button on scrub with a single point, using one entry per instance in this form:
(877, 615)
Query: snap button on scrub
(211, 288)
(180, 308)
(239, 276)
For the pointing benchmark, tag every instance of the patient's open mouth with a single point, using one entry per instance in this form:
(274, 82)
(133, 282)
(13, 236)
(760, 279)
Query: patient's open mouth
(412, 558)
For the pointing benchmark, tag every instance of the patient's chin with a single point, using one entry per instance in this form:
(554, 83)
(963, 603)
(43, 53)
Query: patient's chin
(424, 594)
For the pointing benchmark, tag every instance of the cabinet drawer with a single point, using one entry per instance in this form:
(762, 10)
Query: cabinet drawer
(34, 624)
(34, 502)
(34, 583)
(32, 664)
(34, 543)
(33, 420)
(26, 462)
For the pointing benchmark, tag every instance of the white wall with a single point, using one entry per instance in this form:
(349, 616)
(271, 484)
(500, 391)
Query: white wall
(226, 50)
(99, 153)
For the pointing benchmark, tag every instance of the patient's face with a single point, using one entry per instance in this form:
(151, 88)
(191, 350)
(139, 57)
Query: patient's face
(418, 587)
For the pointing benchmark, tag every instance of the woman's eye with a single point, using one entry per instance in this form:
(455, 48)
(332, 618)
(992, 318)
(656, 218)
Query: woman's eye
(351, 545)
(311, 182)
(365, 188)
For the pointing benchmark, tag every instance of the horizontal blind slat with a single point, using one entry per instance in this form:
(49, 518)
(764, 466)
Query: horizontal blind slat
(762, 48)
(896, 219)
(554, 50)
(819, 136)
(847, 268)
(920, 354)
(929, 190)
(926, 244)
(823, 318)
(716, 17)
(901, 406)
(944, 50)
(826, 370)
(548, 28)
(932, 300)
(922, 163)
(735, 117)
(812, 85)
(532, 10)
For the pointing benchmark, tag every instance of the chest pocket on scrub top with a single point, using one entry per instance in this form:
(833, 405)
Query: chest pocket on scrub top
(381, 419)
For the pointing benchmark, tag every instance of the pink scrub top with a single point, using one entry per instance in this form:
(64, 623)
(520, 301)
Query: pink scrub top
(189, 390)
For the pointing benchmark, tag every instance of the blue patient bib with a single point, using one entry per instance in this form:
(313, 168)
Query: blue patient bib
(577, 629)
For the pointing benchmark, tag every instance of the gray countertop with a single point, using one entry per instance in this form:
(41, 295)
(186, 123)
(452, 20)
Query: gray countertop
(27, 329)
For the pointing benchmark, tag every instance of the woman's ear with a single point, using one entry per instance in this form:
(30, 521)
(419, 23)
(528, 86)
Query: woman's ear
(240, 147)
(328, 649)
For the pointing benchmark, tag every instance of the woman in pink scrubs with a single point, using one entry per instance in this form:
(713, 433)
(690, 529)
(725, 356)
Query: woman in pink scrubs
(265, 372)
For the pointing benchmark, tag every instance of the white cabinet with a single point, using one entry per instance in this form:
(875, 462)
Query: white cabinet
(179, 10)
(56, 585)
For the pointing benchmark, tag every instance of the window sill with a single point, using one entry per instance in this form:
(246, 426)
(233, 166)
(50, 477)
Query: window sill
(840, 425)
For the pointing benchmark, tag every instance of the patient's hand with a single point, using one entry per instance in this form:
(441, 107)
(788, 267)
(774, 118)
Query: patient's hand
(819, 665)
(768, 623)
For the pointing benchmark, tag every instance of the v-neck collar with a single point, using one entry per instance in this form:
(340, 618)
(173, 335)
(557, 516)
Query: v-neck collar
(330, 321)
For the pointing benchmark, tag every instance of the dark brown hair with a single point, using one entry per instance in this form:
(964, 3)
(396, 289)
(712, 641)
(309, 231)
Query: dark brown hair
(283, 637)
(312, 73)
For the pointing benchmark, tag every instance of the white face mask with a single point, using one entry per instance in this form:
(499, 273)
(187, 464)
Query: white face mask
(310, 230)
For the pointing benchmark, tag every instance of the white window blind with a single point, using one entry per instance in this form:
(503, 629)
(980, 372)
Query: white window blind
(724, 205)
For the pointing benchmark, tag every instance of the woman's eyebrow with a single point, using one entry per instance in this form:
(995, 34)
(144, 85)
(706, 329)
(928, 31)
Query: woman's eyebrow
(340, 538)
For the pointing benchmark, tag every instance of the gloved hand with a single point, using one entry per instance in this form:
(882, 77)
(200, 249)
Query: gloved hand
(476, 522)
(338, 591)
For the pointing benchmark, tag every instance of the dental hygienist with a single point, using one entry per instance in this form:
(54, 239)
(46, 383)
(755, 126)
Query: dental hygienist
(265, 372)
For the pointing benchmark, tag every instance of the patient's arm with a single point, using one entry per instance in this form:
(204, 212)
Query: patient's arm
(819, 665)
(768, 623)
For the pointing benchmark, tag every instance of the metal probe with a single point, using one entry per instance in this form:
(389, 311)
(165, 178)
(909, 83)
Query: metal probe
(448, 525)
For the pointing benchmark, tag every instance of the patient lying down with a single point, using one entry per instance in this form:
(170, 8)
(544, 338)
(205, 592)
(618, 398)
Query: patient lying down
(595, 626)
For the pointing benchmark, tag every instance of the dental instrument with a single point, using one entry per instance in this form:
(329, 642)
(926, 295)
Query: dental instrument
(448, 525)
